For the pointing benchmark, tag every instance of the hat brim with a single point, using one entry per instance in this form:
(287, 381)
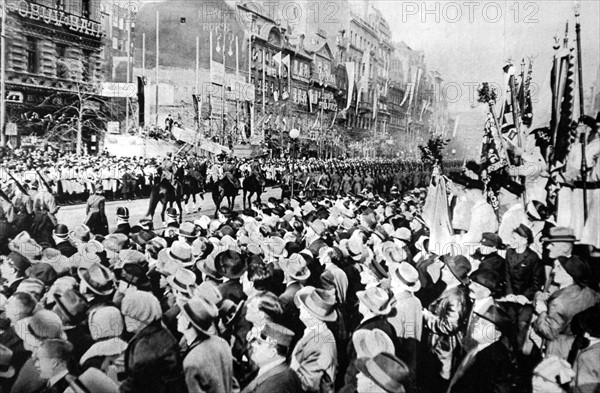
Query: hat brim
(201, 265)
(560, 239)
(305, 276)
(81, 271)
(414, 288)
(211, 331)
(388, 308)
(301, 301)
(8, 373)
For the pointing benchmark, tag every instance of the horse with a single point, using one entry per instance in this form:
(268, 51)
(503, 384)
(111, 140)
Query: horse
(190, 187)
(252, 185)
(224, 187)
(165, 193)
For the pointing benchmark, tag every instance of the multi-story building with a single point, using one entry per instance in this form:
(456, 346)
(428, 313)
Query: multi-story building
(52, 49)
(294, 79)
(118, 23)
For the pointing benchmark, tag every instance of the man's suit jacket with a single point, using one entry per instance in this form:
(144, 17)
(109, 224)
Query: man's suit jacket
(59, 387)
(280, 379)
(491, 370)
(66, 248)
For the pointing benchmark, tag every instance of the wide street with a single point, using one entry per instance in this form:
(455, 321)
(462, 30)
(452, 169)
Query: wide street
(72, 215)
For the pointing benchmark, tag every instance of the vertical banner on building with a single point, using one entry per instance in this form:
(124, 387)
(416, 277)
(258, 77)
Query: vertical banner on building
(286, 61)
(375, 94)
(196, 109)
(350, 74)
(141, 101)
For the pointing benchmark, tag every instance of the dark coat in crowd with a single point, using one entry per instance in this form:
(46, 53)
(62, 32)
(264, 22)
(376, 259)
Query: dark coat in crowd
(280, 379)
(492, 370)
(153, 363)
(526, 273)
(66, 248)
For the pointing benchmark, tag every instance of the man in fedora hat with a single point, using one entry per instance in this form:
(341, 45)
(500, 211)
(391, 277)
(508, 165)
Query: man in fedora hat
(383, 373)
(269, 350)
(295, 275)
(575, 281)
(314, 358)
(207, 363)
(375, 305)
(489, 366)
(445, 322)
(152, 358)
(231, 265)
(408, 318)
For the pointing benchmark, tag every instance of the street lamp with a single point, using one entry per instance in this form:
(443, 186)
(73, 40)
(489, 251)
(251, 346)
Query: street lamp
(294, 134)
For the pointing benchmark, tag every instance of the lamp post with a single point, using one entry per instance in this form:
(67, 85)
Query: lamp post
(294, 134)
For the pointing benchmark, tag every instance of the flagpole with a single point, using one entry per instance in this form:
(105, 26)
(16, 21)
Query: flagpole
(263, 81)
(197, 63)
(156, 70)
(237, 74)
(223, 86)
(3, 76)
(583, 137)
(143, 54)
(210, 65)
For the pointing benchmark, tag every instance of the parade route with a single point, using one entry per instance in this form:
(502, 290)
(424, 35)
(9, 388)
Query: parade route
(73, 215)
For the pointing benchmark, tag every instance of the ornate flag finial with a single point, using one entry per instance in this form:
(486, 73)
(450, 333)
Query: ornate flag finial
(577, 8)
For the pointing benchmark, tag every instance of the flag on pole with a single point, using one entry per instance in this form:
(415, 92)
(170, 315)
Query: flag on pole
(506, 120)
(525, 99)
(286, 62)
(277, 59)
(437, 217)
(455, 126)
(563, 100)
(375, 95)
(350, 76)
(494, 160)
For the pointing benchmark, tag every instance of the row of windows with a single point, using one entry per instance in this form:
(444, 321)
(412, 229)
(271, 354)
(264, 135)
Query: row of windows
(33, 59)
(299, 68)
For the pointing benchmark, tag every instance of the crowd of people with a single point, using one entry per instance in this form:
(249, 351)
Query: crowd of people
(72, 178)
(336, 289)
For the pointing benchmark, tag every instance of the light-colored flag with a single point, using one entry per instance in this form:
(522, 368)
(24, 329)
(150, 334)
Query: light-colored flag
(350, 71)
(455, 126)
(277, 59)
(437, 218)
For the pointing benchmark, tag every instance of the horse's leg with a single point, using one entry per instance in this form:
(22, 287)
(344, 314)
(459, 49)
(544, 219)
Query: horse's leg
(244, 198)
(162, 212)
(258, 193)
(178, 201)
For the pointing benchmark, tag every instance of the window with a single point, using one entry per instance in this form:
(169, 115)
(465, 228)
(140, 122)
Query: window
(32, 55)
(88, 66)
(62, 71)
(115, 43)
(86, 8)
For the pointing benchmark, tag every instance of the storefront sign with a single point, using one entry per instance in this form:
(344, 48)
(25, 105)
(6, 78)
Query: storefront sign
(55, 17)
(118, 90)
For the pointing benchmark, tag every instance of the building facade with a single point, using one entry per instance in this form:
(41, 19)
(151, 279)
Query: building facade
(53, 48)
